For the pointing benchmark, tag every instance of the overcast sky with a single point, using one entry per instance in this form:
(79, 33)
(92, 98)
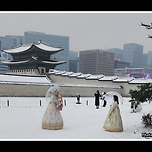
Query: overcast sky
(88, 30)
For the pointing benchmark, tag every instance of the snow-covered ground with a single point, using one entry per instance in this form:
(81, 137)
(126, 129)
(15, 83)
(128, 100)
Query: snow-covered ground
(22, 120)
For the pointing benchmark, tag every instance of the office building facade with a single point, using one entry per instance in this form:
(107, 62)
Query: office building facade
(118, 53)
(149, 59)
(96, 62)
(133, 53)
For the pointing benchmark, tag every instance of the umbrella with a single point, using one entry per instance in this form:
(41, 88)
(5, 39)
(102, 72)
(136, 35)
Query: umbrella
(50, 91)
(110, 97)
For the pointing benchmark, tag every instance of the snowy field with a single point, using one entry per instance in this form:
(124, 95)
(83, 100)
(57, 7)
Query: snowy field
(22, 120)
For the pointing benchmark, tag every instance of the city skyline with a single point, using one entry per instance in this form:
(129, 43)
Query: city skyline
(86, 30)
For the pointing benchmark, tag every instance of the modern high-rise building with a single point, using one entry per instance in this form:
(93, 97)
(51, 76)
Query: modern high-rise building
(133, 53)
(10, 41)
(73, 61)
(96, 62)
(118, 53)
(7, 42)
(149, 61)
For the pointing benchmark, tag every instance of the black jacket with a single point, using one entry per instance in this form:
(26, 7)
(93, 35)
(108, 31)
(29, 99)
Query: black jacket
(97, 96)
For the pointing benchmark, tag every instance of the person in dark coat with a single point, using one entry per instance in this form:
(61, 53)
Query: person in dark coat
(97, 97)
(78, 99)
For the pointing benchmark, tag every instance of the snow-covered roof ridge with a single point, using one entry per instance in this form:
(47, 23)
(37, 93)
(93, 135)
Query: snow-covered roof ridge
(83, 76)
(140, 81)
(66, 73)
(124, 79)
(45, 46)
(39, 44)
(114, 79)
(108, 78)
(75, 74)
(24, 79)
(94, 77)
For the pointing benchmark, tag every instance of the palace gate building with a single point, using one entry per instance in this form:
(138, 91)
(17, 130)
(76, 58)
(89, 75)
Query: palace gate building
(32, 58)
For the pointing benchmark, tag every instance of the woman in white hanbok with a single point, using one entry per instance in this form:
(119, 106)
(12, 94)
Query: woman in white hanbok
(113, 120)
(52, 118)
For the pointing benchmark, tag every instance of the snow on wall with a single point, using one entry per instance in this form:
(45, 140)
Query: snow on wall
(88, 81)
(24, 79)
(71, 84)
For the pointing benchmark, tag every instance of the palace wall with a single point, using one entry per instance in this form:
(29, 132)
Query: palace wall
(88, 87)
(69, 85)
(18, 90)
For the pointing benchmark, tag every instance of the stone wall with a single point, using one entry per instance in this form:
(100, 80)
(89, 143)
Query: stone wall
(70, 86)
(96, 84)
(18, 90)
(84, 91)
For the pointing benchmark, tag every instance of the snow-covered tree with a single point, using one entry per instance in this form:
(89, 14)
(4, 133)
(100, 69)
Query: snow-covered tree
(143, 93)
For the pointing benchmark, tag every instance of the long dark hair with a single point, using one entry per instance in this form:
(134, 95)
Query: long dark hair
(116, 99)
(98, 92)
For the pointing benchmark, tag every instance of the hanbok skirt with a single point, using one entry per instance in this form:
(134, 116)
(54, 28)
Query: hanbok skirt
(52, 118)
(113, 123)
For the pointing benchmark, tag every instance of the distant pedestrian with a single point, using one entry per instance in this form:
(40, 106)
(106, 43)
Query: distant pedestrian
(97, 98)
(133, 106)
(78, 99)
(104, 99)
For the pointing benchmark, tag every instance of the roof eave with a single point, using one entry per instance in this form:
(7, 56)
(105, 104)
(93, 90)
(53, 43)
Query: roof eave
(31, 60)
(24, 48)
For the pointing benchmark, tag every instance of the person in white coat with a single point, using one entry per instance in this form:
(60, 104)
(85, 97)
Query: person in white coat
(104, 99)
(113, 120)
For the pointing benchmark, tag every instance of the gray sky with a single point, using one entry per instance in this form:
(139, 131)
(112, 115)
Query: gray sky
(88, 30)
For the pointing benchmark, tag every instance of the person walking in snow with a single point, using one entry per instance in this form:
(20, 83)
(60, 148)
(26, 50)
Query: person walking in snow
(97, 98)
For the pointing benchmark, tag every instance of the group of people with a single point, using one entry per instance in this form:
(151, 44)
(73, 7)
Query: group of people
(52, 118)
(99, 96)
(113, 120)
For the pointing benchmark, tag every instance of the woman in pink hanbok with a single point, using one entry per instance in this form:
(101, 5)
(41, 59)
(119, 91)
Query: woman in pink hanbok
(52, 118)
(113, 120)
